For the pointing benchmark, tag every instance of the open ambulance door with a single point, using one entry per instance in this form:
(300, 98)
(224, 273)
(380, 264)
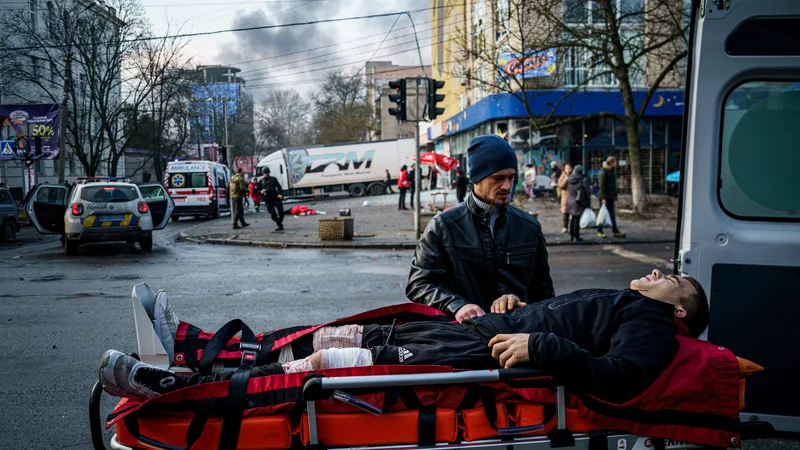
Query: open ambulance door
(739, 231)
(46, 207)
(159, 202)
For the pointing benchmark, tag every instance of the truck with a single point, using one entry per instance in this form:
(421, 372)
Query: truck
(357, 169)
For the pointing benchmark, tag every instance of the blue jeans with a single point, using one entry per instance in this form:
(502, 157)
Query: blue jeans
(613, 214)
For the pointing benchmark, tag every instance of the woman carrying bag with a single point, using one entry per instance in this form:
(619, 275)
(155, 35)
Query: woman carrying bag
(579, 198)
(402, 184)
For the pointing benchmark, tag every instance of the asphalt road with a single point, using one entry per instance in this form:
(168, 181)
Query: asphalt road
(58, 314)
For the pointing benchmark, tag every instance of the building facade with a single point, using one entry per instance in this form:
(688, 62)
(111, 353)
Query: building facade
(506, 88)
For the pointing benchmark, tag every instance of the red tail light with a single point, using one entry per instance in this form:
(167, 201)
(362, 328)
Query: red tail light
(143, 207)
(77, 209)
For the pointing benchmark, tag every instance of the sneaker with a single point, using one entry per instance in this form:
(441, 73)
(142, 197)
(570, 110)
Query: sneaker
(578, 239)
(165, 324)
(236, 227)
(245, 224)
(601, 234)
(123, 376)
(619, 235)
(280, 228)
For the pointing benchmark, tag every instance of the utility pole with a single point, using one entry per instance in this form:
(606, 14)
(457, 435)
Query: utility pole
(62, 127)
(417, 166)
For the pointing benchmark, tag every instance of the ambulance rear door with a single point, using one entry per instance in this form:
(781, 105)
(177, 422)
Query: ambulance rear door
(739, 231)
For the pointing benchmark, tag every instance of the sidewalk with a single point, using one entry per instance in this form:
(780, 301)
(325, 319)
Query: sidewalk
(382, 225)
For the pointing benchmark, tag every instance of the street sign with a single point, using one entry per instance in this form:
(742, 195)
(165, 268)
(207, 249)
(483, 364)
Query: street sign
(7, 148)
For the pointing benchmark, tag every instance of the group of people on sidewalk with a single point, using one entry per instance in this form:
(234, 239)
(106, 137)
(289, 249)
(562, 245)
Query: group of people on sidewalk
(266, 189)
(484, 264)
(576, 197)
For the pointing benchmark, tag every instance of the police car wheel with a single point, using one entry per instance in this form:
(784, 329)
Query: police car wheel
(70, 247)
(146, 244)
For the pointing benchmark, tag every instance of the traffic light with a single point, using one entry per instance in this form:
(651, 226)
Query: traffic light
(433, 98)
(400, 98)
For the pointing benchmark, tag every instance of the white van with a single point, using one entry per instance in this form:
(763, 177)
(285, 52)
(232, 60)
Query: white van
(198, 188)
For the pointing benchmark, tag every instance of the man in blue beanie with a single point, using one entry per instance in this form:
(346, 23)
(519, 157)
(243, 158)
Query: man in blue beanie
(482, 255)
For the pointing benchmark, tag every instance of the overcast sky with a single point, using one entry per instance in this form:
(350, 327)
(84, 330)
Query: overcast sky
(345, 44)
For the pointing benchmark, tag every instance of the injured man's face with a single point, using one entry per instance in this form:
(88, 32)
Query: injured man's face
(667, 288)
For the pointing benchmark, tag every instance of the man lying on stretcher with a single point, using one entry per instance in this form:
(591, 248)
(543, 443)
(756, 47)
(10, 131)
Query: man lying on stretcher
(609, 343)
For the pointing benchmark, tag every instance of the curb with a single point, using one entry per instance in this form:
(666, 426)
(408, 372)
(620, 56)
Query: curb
(183, 237)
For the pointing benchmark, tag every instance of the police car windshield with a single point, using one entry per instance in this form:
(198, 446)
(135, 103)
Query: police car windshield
(109, 194)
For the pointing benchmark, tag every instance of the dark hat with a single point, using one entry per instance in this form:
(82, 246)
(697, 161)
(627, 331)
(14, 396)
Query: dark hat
(266, 170)
(489, 154)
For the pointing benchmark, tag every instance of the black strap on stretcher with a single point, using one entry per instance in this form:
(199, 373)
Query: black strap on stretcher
(234, 404)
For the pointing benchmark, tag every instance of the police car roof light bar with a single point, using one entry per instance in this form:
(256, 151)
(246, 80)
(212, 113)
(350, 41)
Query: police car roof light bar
(84, 180)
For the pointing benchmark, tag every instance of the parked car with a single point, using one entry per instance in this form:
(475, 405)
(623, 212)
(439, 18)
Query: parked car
(9, 217)
(100, 210)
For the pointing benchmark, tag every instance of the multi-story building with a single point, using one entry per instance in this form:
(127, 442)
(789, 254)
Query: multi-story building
(563, 82)
(36, 74)
(217, 96)
(378, 75)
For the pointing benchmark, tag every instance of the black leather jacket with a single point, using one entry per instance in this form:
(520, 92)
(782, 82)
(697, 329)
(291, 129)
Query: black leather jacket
(458, 260)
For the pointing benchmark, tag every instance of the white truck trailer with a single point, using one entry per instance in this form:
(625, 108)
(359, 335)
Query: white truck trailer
(357, 168)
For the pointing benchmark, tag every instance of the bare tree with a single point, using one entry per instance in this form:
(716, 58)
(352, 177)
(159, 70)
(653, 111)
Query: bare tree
(341, 113)
(101, 57)
(282, 120)
(616, 44)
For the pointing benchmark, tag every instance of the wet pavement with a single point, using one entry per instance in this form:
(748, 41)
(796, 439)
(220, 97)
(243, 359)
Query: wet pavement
(58, 314)
(381, 224)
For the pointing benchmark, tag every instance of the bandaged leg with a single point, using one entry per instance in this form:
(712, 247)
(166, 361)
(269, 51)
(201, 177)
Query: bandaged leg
(339, 358)
(332, 358)
(346, 336)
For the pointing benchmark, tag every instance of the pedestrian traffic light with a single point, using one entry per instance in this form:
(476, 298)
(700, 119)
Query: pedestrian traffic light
(400, 98)
(433, 98)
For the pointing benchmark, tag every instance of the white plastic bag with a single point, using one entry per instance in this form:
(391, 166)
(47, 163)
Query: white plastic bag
(588, 218)
(603, 217)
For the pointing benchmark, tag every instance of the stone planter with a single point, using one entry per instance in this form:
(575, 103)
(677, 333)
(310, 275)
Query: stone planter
(336, 229)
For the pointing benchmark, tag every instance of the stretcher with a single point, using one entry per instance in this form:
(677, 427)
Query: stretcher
(399, 407)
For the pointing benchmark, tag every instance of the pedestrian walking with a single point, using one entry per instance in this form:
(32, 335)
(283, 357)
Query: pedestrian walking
(555, 174)
(402, 186)
(434, 177)
(579, 199)
(388, 182)
(607, 193)
(529, 180)
(460, 184)
(238, 190)
(562, 192)
(272, 193)
(255, 193)
(412, 186)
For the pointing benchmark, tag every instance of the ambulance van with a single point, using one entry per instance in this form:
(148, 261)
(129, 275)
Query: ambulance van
(198, 188)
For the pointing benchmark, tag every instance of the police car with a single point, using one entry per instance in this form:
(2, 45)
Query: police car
(100, 209)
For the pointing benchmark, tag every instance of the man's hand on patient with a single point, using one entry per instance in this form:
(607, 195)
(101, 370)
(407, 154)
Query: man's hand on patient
(510, 349)
(507, 303)
(468, 311)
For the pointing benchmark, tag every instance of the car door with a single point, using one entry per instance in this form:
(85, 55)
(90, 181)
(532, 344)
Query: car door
(46, 207)
(739, 230)
(159, 202)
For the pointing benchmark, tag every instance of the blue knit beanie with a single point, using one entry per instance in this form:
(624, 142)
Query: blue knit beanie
(488, 154)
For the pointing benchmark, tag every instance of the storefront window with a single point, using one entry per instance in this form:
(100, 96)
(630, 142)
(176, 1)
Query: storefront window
(598, 132)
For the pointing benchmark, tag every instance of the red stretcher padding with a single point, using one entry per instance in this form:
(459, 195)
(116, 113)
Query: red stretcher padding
(272, 432)
(355, 429)
(696, 399)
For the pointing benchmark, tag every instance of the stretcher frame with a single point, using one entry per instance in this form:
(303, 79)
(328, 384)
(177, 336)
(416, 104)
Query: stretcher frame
(320, 388)
(152, 351)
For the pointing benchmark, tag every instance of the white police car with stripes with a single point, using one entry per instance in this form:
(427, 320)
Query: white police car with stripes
(100, 209)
